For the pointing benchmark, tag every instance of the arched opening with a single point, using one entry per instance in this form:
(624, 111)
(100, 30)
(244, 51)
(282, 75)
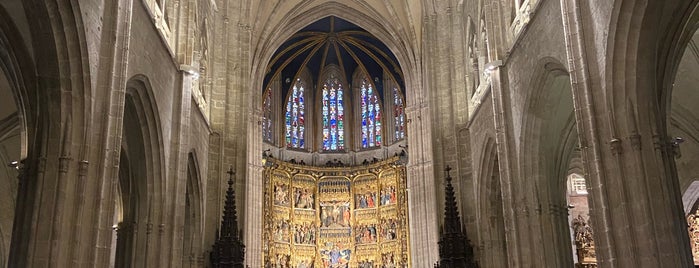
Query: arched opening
(492, 225)
(340, 86)
(192, 238)
(683, 134)
(579, 213)
(131, 225)
(409, 94)
(550, 139)
(139, 190)
(16, 82)
(649, 40)
(11, 147)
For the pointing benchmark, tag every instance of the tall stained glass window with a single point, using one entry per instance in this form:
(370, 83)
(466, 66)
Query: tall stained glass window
(267, 116)
(333, 114)
(399, 114)
(295, 113)
(371, 115)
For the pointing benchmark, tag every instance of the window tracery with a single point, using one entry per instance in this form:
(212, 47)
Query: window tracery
(370, 115)
(295, 116)
(267, 129)
(398, 114)
(332, 114)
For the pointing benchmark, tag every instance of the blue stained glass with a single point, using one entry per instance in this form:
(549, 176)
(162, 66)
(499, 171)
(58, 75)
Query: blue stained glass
(294, 119)
(267, 116)
(333, 115)
(371, 115)
(399, 114)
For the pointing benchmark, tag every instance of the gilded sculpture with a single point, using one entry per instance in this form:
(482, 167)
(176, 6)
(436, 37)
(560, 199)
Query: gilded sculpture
(336, 216)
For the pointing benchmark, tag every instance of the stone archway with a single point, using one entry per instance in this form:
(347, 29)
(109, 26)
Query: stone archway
(139, 192)
(620, 102)
(13, 127)
(491, 229)
(682, 122)
(417, 107)
(548, 139)
(193, 217)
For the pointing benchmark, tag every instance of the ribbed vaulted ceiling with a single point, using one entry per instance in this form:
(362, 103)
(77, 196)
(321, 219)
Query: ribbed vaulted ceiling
(329, 41)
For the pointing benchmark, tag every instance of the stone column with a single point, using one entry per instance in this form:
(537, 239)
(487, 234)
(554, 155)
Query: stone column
(514, 201)
(254, 192)
(424, 229)
(635, 201)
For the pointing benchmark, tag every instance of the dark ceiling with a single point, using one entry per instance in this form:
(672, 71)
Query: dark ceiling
(332, 40)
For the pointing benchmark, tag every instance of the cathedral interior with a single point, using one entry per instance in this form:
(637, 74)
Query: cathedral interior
(343, 134)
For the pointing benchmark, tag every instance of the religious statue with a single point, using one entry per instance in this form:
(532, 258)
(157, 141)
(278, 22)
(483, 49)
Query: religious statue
(388, 196)
(304, 234)
(584, 243)
(303, 198)
(305, 264)
(336, 258)
(693, 229)
(282, 261)
(366, 264)
(388, 229)
(335, 215)
(365, 234)
(281, 231)
(365, 200)
(281, 197)
(322, 217)
(388, 261)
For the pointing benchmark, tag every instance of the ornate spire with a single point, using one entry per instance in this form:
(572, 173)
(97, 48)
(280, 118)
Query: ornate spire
(455, 250)
(228, 250)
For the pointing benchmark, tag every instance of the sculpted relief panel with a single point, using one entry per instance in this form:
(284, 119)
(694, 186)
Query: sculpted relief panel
(335, 217)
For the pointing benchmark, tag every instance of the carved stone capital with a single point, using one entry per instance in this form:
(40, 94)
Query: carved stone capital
(64, 164)
(635, 140)
(615, 146)
(83, 167)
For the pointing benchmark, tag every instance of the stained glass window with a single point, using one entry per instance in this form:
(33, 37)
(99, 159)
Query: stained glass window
(371, 115)
(267, 116)
(295, 113)
(399, 114)
(333, 115)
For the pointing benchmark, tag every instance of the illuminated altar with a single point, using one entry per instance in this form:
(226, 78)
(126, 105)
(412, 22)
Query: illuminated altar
(337, 216)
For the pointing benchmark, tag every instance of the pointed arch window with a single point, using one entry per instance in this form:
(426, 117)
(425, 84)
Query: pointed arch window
(398, 114)
(295, 115)
(371, 115)
(267, 116)
(333, 113)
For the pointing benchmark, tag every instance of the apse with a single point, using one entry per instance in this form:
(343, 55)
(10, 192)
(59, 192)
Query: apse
(333, 88)
(334, 133)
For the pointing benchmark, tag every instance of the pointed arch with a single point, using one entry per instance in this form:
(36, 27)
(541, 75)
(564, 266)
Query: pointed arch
(57, 123)
(490, 209)
(194, 220)
(17, 131)
(414, 102)
(296, 129)
(370, 133)
(332, 108)
(141, 176)
(548, 138)
(639, 73)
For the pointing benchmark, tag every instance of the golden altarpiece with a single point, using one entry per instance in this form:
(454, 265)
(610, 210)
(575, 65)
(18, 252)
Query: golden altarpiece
(339, 216)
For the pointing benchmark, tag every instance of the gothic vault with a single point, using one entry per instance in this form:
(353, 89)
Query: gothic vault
(571, 126)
